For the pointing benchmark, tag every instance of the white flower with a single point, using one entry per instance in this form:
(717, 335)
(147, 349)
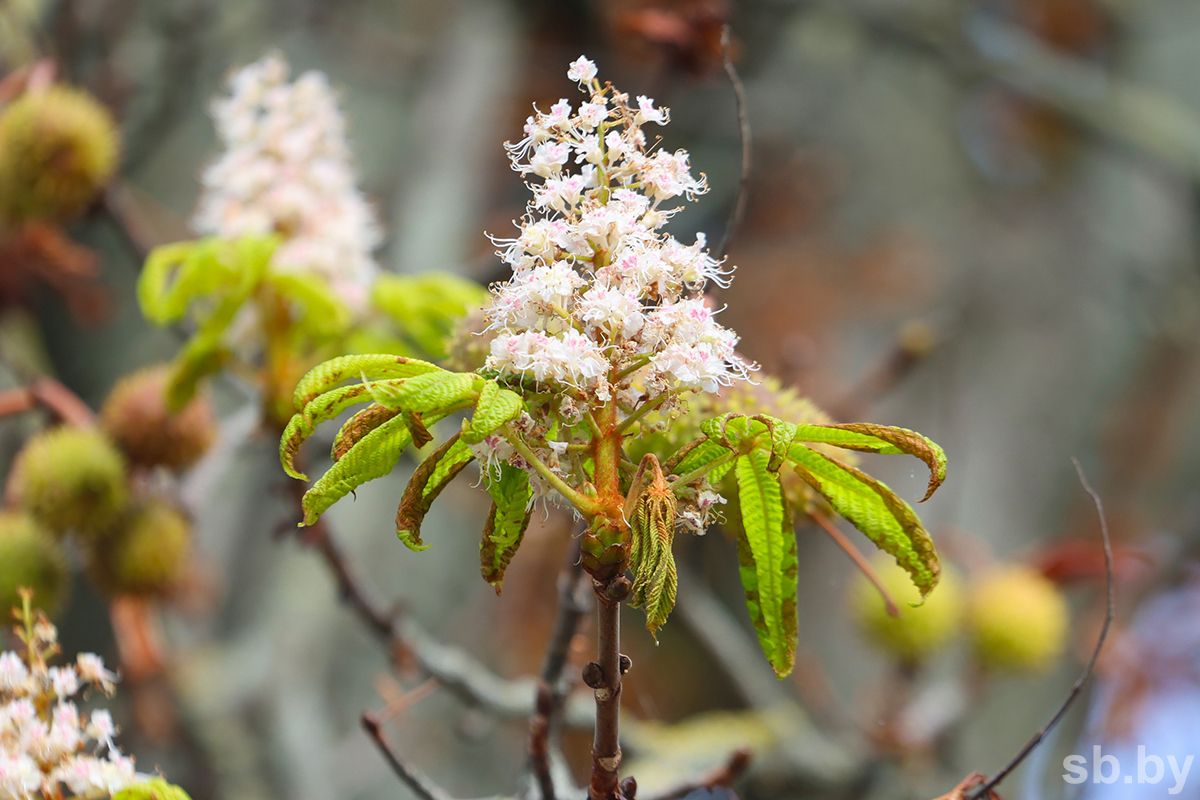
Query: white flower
(287, 170)
(582, 70)
(603, 305)
(13, 673)
(91, 670)
(20, 778)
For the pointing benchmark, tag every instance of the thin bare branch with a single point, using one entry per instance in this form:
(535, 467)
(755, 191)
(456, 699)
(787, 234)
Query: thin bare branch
(1109, 613)
(738, 211)
(860, 561)
(413, 778)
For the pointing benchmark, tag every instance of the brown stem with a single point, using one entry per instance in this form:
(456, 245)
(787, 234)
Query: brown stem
(604, 677)
(413, 778)
(724, 775)
(551, 691)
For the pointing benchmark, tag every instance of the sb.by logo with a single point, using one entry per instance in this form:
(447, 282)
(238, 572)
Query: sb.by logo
(1105, 768)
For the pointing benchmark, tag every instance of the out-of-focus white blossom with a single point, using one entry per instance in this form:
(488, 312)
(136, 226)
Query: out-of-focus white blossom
(286, 169)
(46, 744)
(603, 303)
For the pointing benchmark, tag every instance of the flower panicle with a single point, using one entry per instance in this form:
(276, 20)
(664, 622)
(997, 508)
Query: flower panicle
(46, 741)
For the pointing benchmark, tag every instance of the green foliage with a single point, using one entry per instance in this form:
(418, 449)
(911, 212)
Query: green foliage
(216, 278)
(767, 559)
(405, 397)
(153, 789)
(426, 308)
(512, 502)
(427, 482)
(496, 407)
(756, 448)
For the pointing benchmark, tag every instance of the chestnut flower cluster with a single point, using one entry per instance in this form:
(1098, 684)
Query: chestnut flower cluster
(602, 302)
(46, 742)
(287, 170)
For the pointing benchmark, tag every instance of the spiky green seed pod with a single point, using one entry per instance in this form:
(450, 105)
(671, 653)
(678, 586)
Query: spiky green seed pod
(136, 417)
(30, 557)
(919, 631)
(146, 553)
(1018, 619)
(155, 789)
(72, 479)
(58, 147)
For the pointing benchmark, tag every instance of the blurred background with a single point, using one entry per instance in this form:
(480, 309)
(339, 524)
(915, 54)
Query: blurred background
(980, 220)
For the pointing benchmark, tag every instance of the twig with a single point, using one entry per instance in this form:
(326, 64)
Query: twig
(860, 561)
(550, 690)
(414, 779)
(739, 95)
(51, 395)
(603, 676)
(1109, 613)
(724, 775)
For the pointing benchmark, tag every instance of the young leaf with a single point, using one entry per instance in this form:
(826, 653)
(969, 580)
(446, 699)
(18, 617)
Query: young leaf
(767, 559)
(318, 311)
(427, 482)
(655, 578)
(302, 425)
(359, 425)
(512, 503)
(372, 456)
(174, 275)
(433, 391)
(875, 510)
(374, 366)
(870, 438)
(698, 457)
(426, 307)
(496, 407)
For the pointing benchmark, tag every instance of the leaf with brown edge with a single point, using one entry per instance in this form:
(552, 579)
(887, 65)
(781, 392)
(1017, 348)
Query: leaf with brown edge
(872, 507)
(416, 426)
(372, 366)
(427, 482)
(512, 504)
(371, 457)
(868, 437)
(303, 424)
(358, 426)
(433, 391)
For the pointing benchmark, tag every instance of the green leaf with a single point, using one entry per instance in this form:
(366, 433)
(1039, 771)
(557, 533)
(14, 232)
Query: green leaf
(433, 391)
(427, 482)
(875, 510)
(426, 308)
(372, 456)
(320, 313)
(153, 789)
(359, 425)
(302, 425)
(512, 503)
(871, 438)
(496, 407)
(173, 277)
(372, 366)
(767, 559)
(698, 457)
(457, 457)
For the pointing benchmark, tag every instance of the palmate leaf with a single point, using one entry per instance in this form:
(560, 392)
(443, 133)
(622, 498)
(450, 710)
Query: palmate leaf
(359, 425)
(767, 559)
(875, 510)
(512, 503)
(176, 275)
(318, 311)
(302, 425)
(427, 482)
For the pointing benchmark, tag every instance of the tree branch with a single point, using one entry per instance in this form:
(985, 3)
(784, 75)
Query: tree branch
(551, 691)
(1109, 613)
(413, 778)
(604, 677)
(739, 95)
